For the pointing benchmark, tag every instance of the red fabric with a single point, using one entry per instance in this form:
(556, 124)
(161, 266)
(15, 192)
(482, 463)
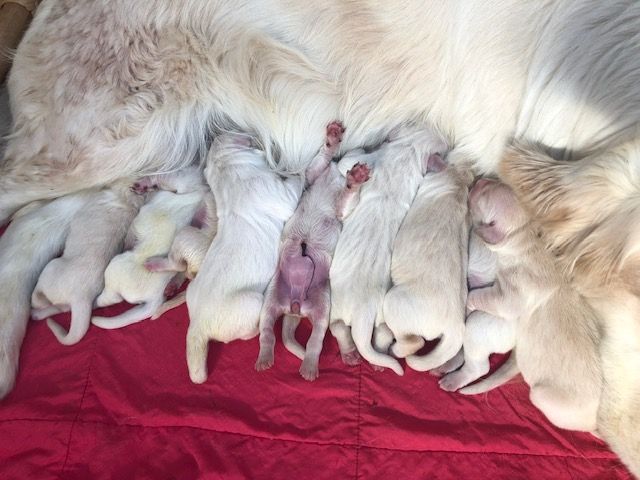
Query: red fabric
(120, 405)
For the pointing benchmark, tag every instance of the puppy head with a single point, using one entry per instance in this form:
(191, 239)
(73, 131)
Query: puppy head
(495, 211)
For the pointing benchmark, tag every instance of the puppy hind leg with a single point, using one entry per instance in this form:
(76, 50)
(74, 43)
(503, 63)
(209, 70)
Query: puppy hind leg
(46, 312)
(268, 317)
(406, 345)
(348, 350)
(382, 338)
(107, 298)
(450, 366)
(319, 317)
(197, 352)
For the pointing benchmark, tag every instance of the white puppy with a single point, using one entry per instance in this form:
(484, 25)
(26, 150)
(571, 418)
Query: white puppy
(428, 268)
(153, 231)
(36, 235)
(73, 281)
(187, 251)
(253, 203)
(360, 273)
(554, 330)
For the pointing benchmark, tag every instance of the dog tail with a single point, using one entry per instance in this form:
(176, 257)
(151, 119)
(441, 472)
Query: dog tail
(502, 375)
(197, 352)
(133, 315)
(80, 321)
(170, 304)
(444, 351)
(362, 332)
(289, 325)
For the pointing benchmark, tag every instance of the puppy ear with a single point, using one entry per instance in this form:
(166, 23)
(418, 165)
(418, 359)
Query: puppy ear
(491, 234)
(433, 163)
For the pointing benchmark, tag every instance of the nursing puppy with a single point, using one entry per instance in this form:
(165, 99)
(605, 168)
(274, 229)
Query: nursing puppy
(428, 268)
(73, 281)
(152, 233)
(253, 203)
(300, 287)
(589, 212)
(35, 236)
(187, 251)
(361, 269)
(555, 330)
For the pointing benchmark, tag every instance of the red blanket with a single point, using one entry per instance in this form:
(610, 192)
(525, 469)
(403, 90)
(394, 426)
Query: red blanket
(120, 405)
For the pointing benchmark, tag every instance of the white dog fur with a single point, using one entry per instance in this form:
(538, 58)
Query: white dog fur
(187, 251)
(428, 269)
(73, 281)
(152, 233)
(253, 203)
(361, 268)
(36, 236)
(564, 74)
(554, 330)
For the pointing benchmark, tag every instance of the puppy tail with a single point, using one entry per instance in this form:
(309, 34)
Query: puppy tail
(133, 315)
(502, 375)
(176, 301)
(197, 352)
(362, 332)
(80, 320)
(289, 325)
(444, 351)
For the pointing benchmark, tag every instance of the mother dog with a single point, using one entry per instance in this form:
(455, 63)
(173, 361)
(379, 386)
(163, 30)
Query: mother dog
(101, 89)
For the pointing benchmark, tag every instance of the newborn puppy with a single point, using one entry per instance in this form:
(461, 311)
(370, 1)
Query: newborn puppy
(534, 309)
(152, 233)
(74, 280)
(35, 236)
(361, 269)
(253, 203)
(300, 287)
(428, 268)
(187, 252)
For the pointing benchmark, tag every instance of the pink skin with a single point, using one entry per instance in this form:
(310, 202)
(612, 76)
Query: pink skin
(300, 287)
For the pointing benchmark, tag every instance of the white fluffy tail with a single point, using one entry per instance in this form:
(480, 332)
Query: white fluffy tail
(450, 344)
(289, 325)
(502, 375)
(80, 321)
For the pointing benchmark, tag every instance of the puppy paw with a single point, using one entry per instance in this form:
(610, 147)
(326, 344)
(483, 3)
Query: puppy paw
(358, 175)
(377, 368)
(452, 382)
(309, 372)
(334, 134)
(143, 186)
(352, 358)
(264, 362)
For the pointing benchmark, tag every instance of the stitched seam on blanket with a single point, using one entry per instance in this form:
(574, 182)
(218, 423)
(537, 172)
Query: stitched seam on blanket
(77, 417)
(312, 442)
(358, 421)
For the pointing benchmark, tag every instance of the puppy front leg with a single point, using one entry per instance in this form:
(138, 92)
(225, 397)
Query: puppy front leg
(350, 196)
(326, 153)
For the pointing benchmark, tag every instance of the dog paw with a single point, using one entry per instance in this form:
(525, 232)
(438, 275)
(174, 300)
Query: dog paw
(451, 382)
(334, 134)
(309, 372)
(264, 363)
(358, 175)
(352, 358)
